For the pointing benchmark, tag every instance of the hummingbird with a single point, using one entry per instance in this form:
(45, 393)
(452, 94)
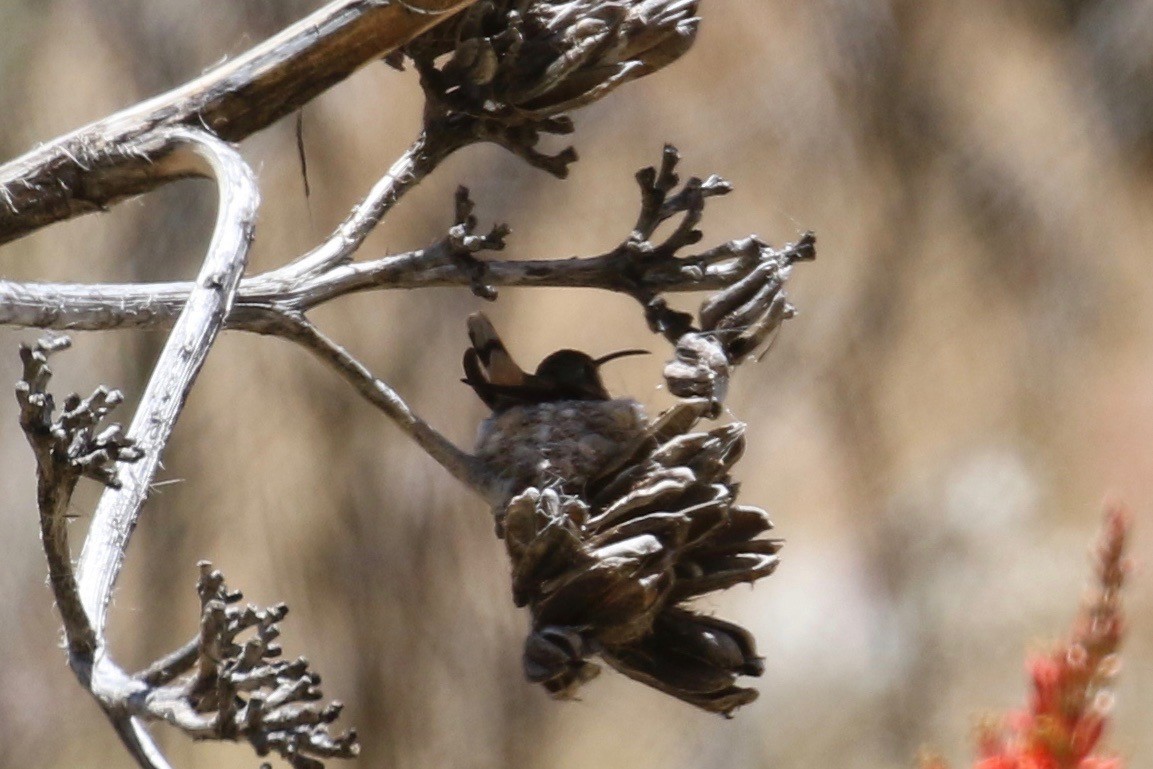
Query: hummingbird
(565, 375)
(556, 426)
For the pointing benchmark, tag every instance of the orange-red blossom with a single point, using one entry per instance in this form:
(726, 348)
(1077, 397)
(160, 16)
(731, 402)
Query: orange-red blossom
(1068, 712)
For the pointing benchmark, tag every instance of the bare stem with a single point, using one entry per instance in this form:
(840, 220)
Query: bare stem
(461, 465)
(57, 472)
(143, 305)
(425, 154)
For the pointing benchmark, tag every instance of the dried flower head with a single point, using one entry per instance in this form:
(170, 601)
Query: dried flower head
(541, 59)
(508, 71)
(610, 571)
(733, 324)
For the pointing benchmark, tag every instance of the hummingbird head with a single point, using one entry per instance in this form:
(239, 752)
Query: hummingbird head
(576, 375)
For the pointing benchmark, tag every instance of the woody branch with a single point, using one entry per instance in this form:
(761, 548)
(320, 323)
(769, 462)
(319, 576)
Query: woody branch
(448, 262)
(115, 158)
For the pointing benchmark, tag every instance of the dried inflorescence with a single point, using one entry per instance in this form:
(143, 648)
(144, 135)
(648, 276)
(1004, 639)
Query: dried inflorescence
(540, 59)
(610, 571)
(70, 443)
(733, 324)
(463, 243)
(511, 69)
(222, 687)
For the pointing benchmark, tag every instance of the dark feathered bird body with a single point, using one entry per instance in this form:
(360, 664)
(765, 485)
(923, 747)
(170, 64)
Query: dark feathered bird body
(555, 427)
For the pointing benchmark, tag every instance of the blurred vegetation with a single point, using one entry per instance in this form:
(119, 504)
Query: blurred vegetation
(970, 372)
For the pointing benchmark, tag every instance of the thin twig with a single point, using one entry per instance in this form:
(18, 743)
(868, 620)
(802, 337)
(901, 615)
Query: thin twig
(425, 154)
(171, 665)
(461, 465)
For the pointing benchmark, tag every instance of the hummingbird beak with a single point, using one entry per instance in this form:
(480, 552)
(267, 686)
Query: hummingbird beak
(618, 354)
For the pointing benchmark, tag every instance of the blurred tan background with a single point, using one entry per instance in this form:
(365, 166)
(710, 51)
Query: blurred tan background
(970, 373)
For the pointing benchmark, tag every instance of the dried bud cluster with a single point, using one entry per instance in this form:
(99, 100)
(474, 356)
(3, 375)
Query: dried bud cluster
(734, 323)
(540, 59)
(72, 441)
(223, 687)
(610, 572)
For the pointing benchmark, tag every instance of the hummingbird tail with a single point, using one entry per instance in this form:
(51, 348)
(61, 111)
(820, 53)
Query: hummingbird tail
(498, 366)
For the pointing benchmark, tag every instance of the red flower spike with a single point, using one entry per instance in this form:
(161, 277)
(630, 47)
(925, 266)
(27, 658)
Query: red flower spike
(1071, 699)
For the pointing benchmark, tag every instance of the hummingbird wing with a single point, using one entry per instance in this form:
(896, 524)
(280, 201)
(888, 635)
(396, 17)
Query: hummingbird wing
(474, 378)
(501, 397)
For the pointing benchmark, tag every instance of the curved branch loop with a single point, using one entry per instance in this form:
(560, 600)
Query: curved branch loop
(180, 361)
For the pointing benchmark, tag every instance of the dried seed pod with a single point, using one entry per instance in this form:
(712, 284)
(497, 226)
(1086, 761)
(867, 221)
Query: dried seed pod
(606, 568)
(699, 370)
(734, 324)
(694, 658)
(539, 59)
